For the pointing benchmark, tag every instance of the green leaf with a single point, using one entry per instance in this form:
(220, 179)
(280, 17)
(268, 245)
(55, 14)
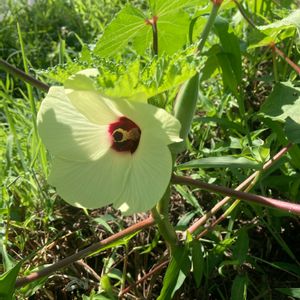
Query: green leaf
(239, 288)
(185, 220)
(241, 246)
(293, 292)
(292, 129)
(175, 274)
(283, 105)
(277, 31)
(133, 79)
(173, 31)
(188, 196)
(229, 78)
(283, 102)
(30, 288)
(8, 281)
(131, 24)
(211, 64)
(7, 260)
(231, 46)
(107, 287)
(163, 7)
(103, 221)
(198, 261)
(222, 121)
(124, 27)
(230, 162)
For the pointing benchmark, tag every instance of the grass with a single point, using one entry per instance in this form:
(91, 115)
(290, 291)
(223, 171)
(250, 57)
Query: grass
(253, 249)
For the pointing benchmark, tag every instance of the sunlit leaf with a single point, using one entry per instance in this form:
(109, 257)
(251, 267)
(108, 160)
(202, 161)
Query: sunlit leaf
(162, 7)
(198, 261)
(7, 282)
(124, 27)
(277, 31)
(230, 45)
(283, 105)
(220, 162)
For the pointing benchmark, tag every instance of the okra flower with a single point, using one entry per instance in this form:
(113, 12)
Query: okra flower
(106, 151)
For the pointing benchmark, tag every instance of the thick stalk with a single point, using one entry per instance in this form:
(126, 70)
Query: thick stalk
(165, 228)
(209, 24)
(270, 202)
(200, 222)
(83, 253)
(155, 35)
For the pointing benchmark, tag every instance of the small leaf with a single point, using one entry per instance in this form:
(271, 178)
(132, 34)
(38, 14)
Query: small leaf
(223, 122)
(230, 45)
(175, 274)
(230, 162)
(30, 288)
(283, 102)
(188, 196)
(292, 129)
(239, 288)
(277, 31)
(8, 281)
(107, 287)
(228, 75)
(7, 260)
(241, 246)
(293, 292)
(198, 261)
(283, 105)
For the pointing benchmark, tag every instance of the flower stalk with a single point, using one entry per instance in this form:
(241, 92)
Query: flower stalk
(165, 228)
(209, 24)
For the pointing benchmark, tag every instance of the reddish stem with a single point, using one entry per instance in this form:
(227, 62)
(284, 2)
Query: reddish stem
(243, 185)
(153, 23)
(83, 253)
(288, 60)
(275, 203)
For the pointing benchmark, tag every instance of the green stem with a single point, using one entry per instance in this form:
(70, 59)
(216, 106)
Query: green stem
(275, 68)
(244, 14)
(165, 228)
(209, 24)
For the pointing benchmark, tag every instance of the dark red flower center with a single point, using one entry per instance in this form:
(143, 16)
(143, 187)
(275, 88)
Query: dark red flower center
(125, 135)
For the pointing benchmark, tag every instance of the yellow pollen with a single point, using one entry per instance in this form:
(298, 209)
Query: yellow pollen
(121, 135)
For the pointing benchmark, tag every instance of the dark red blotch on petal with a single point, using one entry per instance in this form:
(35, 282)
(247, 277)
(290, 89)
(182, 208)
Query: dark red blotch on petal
(125, 135)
